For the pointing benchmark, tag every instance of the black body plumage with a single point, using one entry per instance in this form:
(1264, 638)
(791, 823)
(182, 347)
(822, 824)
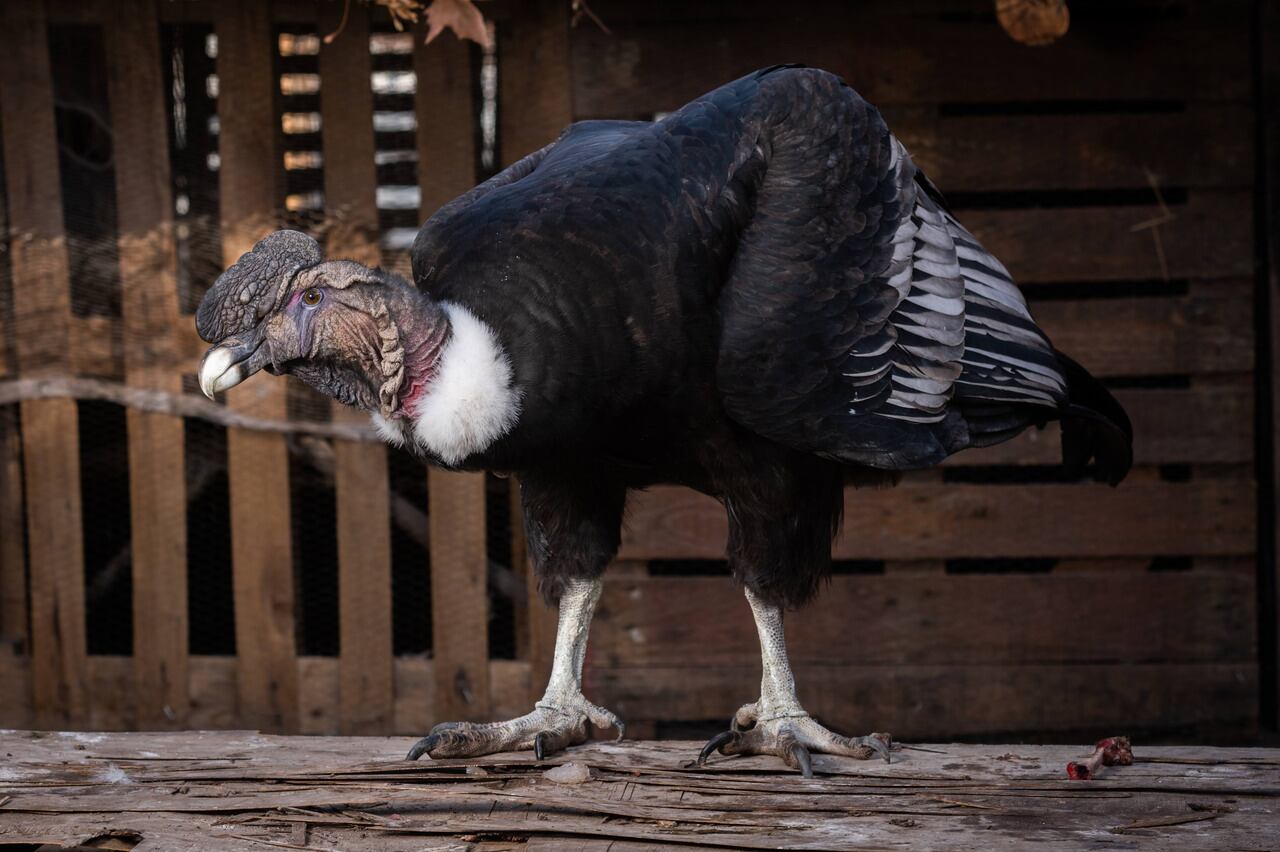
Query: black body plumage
(756, 297)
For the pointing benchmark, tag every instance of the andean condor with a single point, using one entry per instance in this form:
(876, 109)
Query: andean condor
(759, 296)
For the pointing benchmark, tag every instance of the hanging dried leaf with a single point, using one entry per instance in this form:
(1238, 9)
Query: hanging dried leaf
(1034, 22)
(402, 11)
(461, 16)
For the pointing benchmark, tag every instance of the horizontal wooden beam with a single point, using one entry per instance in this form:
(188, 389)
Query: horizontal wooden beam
(1170, 426)
(1210, 236)
(980, 521)
(659, 64)
(1207, 145)
(869, 620)
(212, 690)
(913, 700)
(975, 700)
(1209, 330)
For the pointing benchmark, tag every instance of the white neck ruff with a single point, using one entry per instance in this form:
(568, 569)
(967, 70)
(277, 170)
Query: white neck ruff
(471, 401)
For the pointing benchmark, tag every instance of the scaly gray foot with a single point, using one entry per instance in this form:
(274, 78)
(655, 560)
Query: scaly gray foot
(548, 729)
(791, 738)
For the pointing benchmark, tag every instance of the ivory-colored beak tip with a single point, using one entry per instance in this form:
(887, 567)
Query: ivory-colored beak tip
(219, 371)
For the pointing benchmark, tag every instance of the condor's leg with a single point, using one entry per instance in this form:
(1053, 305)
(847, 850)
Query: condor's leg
(780, 530)
(573, 532)
(776, 723)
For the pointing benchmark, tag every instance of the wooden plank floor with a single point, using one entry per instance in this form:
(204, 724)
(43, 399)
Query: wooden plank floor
(241, 790)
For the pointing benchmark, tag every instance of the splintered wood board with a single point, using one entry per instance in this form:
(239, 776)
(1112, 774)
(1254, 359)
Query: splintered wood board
(240, 790)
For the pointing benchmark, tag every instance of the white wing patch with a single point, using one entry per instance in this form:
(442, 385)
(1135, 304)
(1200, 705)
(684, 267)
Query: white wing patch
(961, 326)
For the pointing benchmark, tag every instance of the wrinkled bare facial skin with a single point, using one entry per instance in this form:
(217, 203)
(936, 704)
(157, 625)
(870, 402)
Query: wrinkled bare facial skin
(282, 308)
(255, 285)
(335, 345)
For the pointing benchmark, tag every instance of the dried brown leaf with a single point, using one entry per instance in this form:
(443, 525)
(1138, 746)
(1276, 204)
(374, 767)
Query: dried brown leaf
(1034, 22)
(461, 16)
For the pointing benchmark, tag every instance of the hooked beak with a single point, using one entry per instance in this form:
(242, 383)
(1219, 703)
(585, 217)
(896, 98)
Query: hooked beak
(231, 362)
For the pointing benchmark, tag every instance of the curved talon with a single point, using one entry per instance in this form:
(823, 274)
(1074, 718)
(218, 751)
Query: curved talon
(877, 744)
(800, 755)
(621, 728)
(540, 746)
(423, 746)
(716, 743)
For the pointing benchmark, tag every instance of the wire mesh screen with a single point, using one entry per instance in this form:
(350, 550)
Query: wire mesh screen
(86, 155)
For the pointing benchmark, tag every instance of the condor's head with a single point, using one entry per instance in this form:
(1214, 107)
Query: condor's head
(360, 335)
(434, 376)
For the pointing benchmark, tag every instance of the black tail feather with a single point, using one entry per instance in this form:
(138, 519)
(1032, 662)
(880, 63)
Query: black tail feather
(1094, 426)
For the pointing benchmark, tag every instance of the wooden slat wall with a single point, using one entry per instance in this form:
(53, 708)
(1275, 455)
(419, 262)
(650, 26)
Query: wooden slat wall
(366, 689)
(157, 495)
(214, 703)
(930, 654)
(50, 428)
(924, 649)
(267, 681)
(445, 103)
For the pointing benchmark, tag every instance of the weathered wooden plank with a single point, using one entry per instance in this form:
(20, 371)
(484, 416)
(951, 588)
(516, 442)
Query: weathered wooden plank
(658, 65)
(169, 788)
(55, 542)
(1196, 425)
(1205, 146)
(42, 308)
(975, 521)
(258, 463)
(214, 704)
(37, 237)
(364, 586)
(157, 490)
(923, 701)
(17, 710)
(97, 347)
(1268, 24)
(536, 93)
(509, 683)
(1142, 519)
(536, 79)
(366, 683)
(445, 103)
(459, 599)
(938, 620)
(1210, 330)
(1087, 15)
(1210, 236)
(459, 557)
(14, 629)
(321, 682)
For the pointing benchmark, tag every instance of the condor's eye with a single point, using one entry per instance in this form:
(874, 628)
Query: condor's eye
(312, 297)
